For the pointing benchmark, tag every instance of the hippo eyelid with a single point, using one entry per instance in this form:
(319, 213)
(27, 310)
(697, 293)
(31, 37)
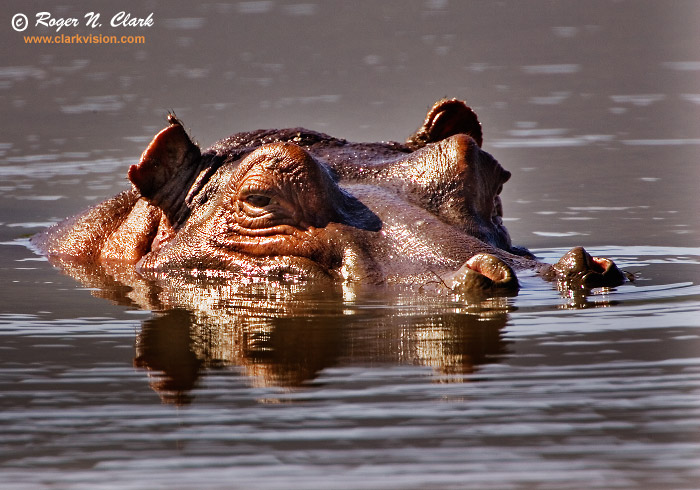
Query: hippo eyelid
(257, 200)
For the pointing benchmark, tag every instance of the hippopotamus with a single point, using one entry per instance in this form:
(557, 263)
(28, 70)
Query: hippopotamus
(299, 205)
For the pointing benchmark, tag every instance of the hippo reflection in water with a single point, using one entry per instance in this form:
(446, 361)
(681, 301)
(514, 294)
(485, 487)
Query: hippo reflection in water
(287, 337)
(297, 205)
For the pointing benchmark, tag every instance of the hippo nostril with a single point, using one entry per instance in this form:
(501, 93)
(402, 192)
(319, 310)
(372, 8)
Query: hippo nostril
(486, 265)
(484, 273)
(579, 268)
(601, 265)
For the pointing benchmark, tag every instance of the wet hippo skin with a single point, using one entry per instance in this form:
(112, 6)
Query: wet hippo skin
(294, 204)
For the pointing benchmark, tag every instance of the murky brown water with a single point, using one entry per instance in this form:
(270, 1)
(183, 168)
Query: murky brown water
(594, 107)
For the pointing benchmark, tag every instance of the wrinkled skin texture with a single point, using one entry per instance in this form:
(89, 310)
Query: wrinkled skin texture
(294, 204)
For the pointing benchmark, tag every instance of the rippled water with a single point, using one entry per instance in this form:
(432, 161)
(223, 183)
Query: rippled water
(593, 107)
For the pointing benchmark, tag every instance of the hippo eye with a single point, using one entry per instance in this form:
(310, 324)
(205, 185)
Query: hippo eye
(257, 200)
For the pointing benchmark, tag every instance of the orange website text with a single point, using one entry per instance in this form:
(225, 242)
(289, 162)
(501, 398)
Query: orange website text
(84, 39)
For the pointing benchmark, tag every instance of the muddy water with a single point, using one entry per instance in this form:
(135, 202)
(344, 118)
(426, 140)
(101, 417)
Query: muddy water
(593, 107)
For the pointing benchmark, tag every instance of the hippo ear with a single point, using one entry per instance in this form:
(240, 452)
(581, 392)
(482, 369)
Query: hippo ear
(167, 157)
(167, 170)
(447, 118)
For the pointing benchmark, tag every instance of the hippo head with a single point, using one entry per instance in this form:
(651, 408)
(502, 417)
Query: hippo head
(293, 203)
